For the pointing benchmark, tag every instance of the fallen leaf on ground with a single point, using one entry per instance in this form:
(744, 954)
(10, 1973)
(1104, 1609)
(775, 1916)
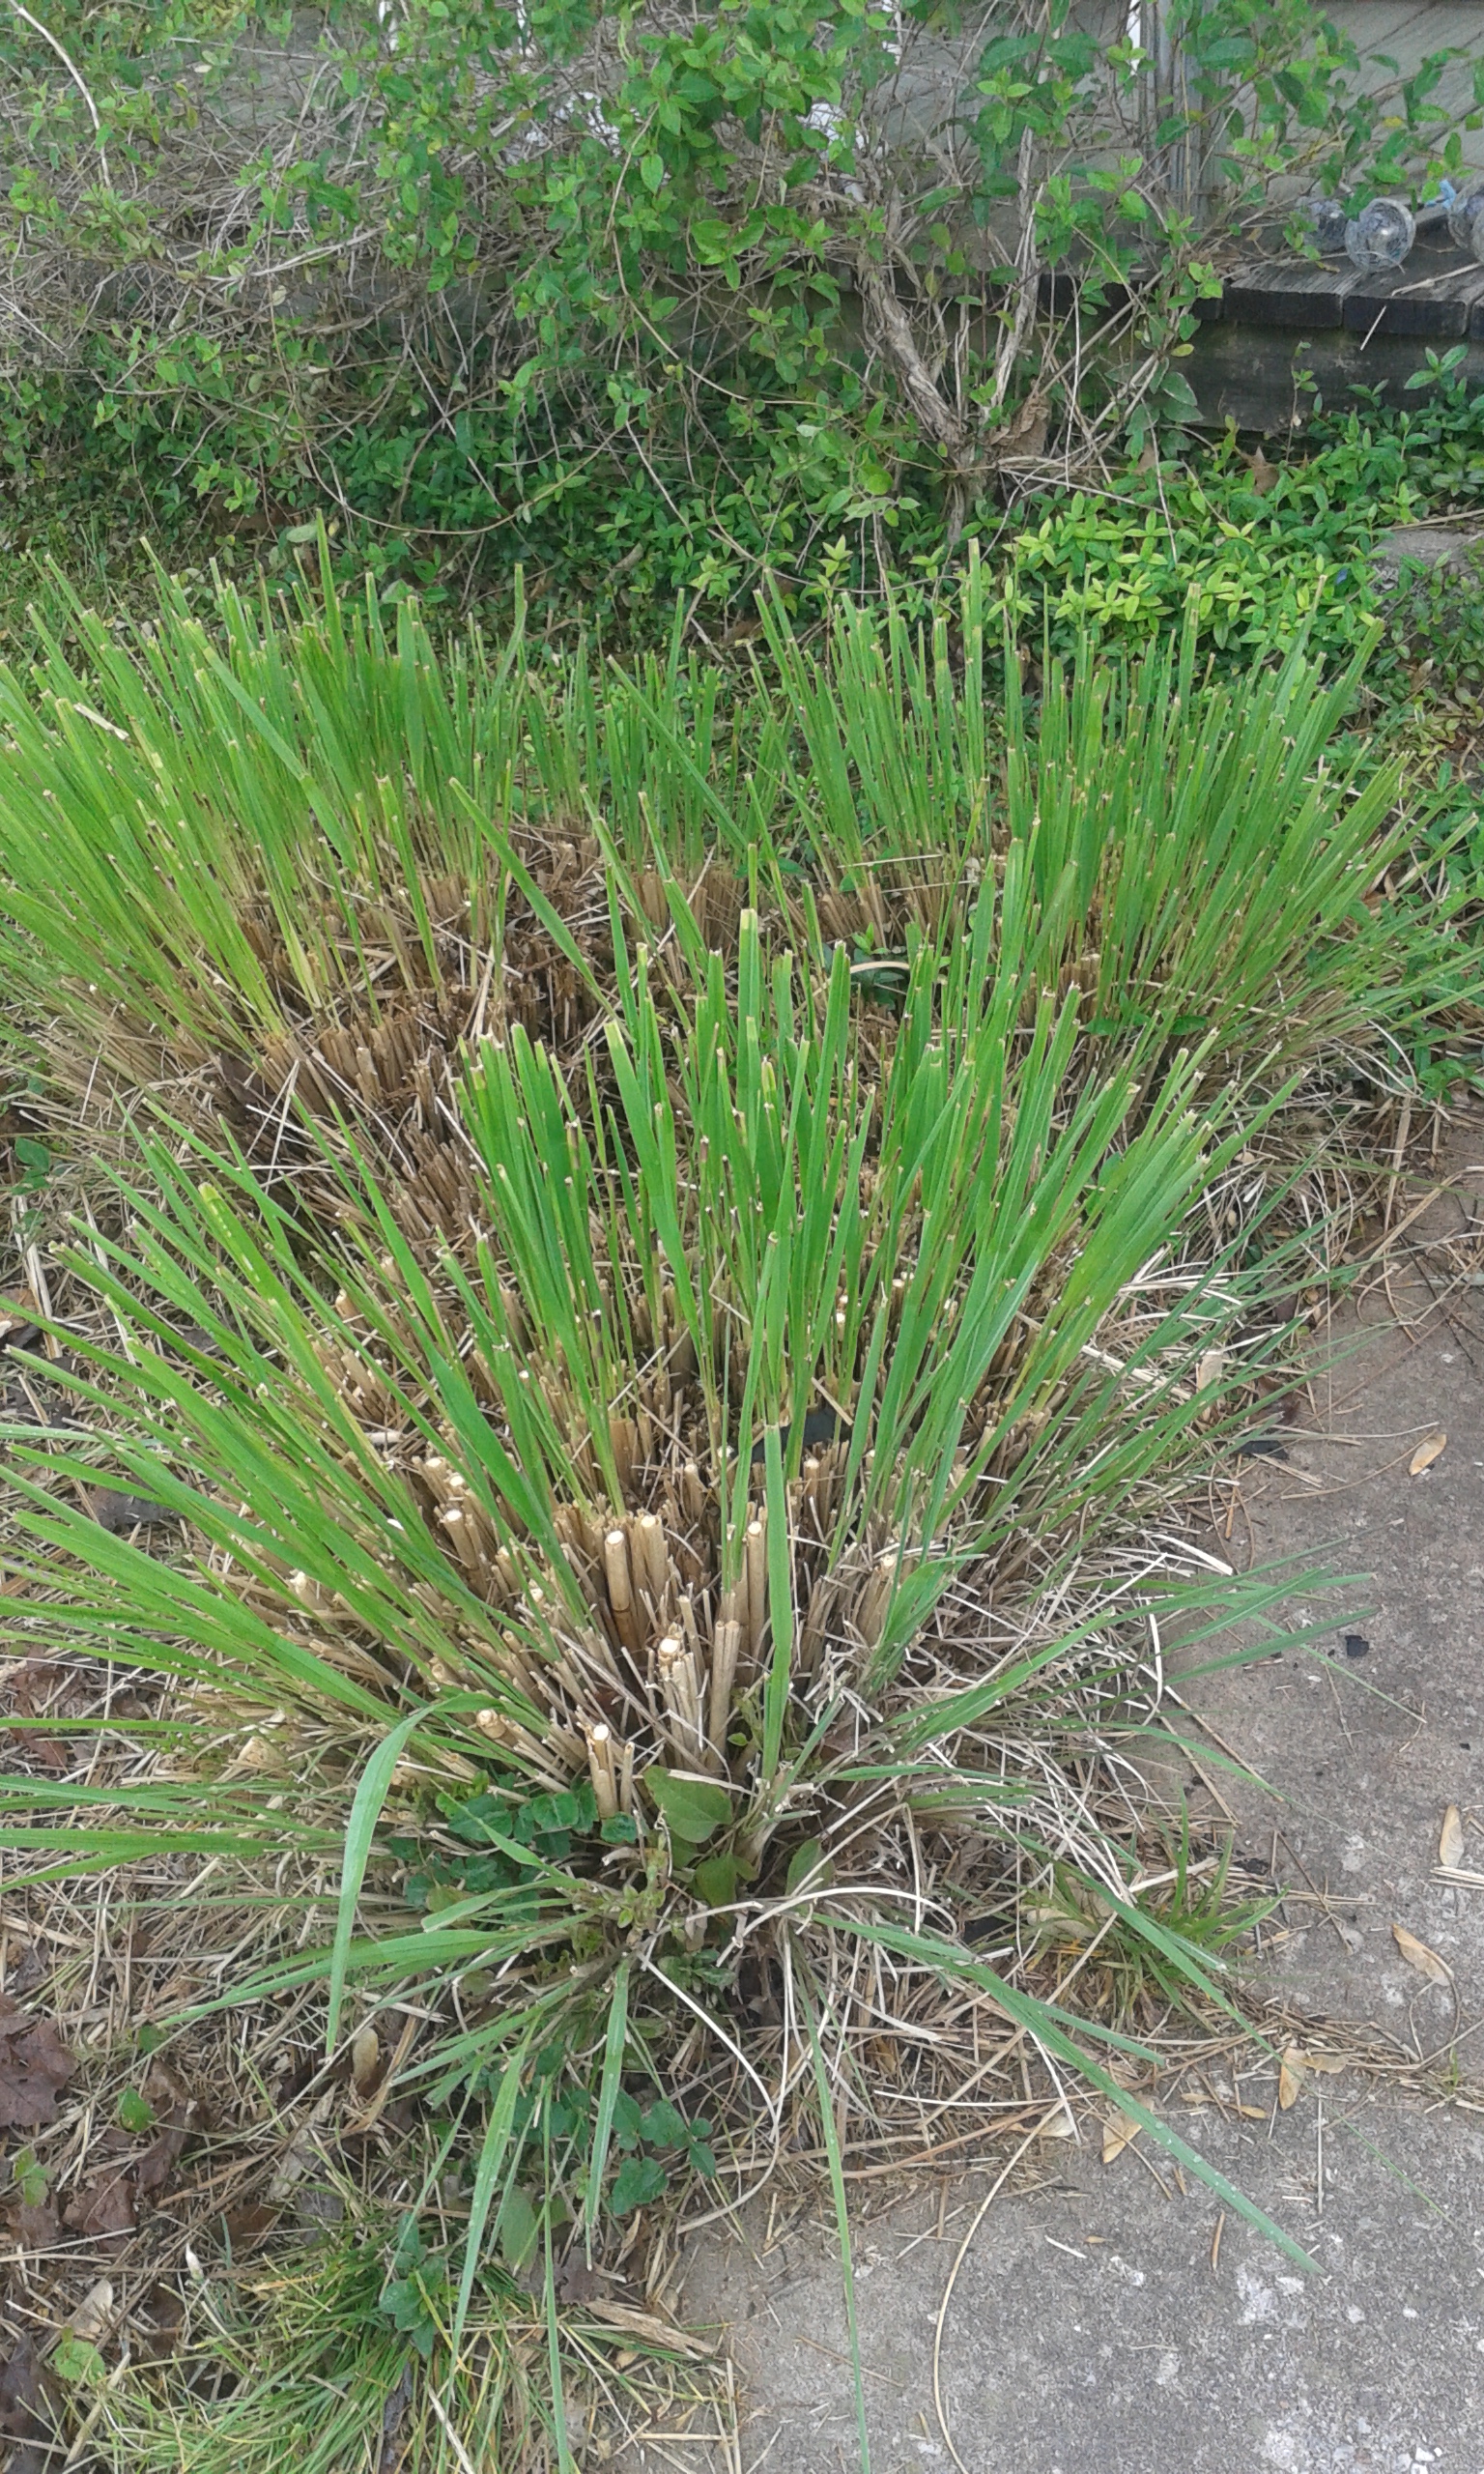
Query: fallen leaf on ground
(34, 2063)
(1418, 1955)
(645, 2324)
(158, 2329)
(119, 1512)
(1057, 2125)
(33, 2225)
(160, 2158)
(1290, 2078)
(94, 2315)
(1118, 2132)
(21, 2392)
(18, 1326)
(105, 2207)
(577, 2282)
(1426, 1452)
(1450, 1841)
(81, 2365)
(246, 2226)
(365, 2057)
(1330, 2064)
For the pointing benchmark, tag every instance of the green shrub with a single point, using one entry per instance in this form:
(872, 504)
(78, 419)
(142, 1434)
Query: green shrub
(641, 305)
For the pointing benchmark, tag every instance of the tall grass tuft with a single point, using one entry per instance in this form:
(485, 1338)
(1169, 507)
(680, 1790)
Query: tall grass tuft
(676, 1242)
(626, 1575)
(289, 862)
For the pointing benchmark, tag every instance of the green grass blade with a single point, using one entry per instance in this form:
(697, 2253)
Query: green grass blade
(359, 1834)
(493, 2152)
(610, 2084)
(831, 2138)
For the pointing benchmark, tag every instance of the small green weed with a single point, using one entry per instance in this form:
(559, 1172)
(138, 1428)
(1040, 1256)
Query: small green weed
(1138, 1951)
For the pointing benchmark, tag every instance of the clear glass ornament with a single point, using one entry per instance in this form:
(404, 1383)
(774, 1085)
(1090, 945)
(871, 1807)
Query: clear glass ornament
(1466, 219)
(1327, 218)
(1379, 236)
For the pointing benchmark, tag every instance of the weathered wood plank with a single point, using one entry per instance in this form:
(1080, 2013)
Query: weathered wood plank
(1287, 293)
(1473, 291)
(1250, 375)
(1415, 300)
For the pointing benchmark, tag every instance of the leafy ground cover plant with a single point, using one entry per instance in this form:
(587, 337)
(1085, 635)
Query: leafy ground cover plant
(1265, 550)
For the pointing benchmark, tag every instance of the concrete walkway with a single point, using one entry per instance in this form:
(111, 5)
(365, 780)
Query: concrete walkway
(1098, 2325)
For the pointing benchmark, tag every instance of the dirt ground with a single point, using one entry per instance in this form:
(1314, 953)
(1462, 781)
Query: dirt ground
(1115, 2318)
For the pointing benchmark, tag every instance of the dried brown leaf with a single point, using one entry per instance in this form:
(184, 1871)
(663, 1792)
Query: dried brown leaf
(1426, 1452)
(1118, 2132)
(93, 2318)
(365, 2062)
(1450, 1838)
(652, 2331)
(33, 2226)
(22, 2420)
(119, 1512)
(1290, 2078)
(18, 1326)
(163, 2153)
(247, 2226)
(1418, 1955)
(158, 2326)
(575, 2282)
(34, 2063)
(105, 2207)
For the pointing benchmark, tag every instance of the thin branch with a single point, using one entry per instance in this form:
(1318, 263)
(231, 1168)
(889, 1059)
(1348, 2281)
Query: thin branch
(78, 78)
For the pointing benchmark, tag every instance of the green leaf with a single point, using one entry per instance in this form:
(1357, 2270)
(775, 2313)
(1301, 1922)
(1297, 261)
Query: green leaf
(694, 1810)
(808, 1866)
(637, 2180)
(628, 2121)
(493, 2153)
(714, 1880)
(517, 2229)
(31, 2177)
(405, 2302)
(78, 2363)
(831, 2137)
(135, 2113)
(665, 2125)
